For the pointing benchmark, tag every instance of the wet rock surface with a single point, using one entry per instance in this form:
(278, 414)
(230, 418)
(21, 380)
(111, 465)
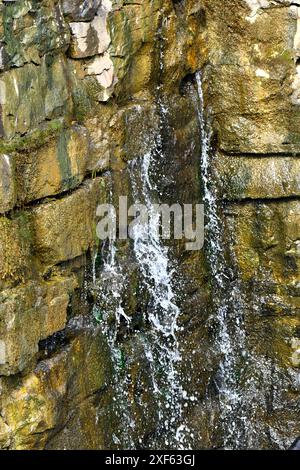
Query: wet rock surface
(85, 87)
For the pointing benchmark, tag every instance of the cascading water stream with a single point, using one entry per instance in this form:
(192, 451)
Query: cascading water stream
(248, 383)
(159, 332)
(160, 342)
(228, 300)
(108, 286)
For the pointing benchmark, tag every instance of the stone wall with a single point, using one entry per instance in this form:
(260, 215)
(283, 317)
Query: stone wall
(78, 92)
(251, 93)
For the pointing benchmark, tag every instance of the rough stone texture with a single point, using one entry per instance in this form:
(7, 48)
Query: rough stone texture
(251, 95)
(7, 184)
(267, 248)
(79, 88)
(45, 86)
(65, 229)
(91, 38)
(30, 314)
(258, 177)
(257, 61)
(29, 30)
(56, 166)
(79, 10)
(38, 404)
(15, 249)
(4, 434)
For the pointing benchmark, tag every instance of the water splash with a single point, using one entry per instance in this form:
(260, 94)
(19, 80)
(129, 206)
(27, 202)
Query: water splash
(157, 337)
(162, 314)
(109, 284)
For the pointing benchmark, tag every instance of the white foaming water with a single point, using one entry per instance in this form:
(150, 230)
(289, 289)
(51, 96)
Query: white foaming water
(160, 342)
(109, 286)
(160, 322)
(154, 263)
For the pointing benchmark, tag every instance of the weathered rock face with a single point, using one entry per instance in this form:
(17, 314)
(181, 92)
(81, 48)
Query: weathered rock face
(84, 86)
(251, 88)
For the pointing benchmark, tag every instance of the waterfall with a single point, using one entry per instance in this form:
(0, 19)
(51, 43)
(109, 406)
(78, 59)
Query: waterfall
(228, 300)
(158, 335)
(109, 283)
(160, 342)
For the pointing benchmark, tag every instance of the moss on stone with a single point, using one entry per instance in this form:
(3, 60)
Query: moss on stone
(14, 249)
(32, 140)
(82, 104)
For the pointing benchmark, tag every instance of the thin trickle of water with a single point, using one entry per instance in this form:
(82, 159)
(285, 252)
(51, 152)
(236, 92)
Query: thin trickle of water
(245, 378)
(228, 298)
(109, 285)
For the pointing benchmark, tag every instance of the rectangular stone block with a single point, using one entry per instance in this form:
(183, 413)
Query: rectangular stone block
(66, 228)
(58, 165)
(7, 184)
(258, 177)
(31, 94)
(53, 300)
(19, 329)
(252, 75)
(266, 252)
(63, 382)
(29, 314)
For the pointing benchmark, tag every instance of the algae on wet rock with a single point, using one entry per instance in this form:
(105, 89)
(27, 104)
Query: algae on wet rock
(29, 314)
(44, 86)
(7, 183)
(63, 228)
(40, 405)
(15, 249)
(86, 88)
